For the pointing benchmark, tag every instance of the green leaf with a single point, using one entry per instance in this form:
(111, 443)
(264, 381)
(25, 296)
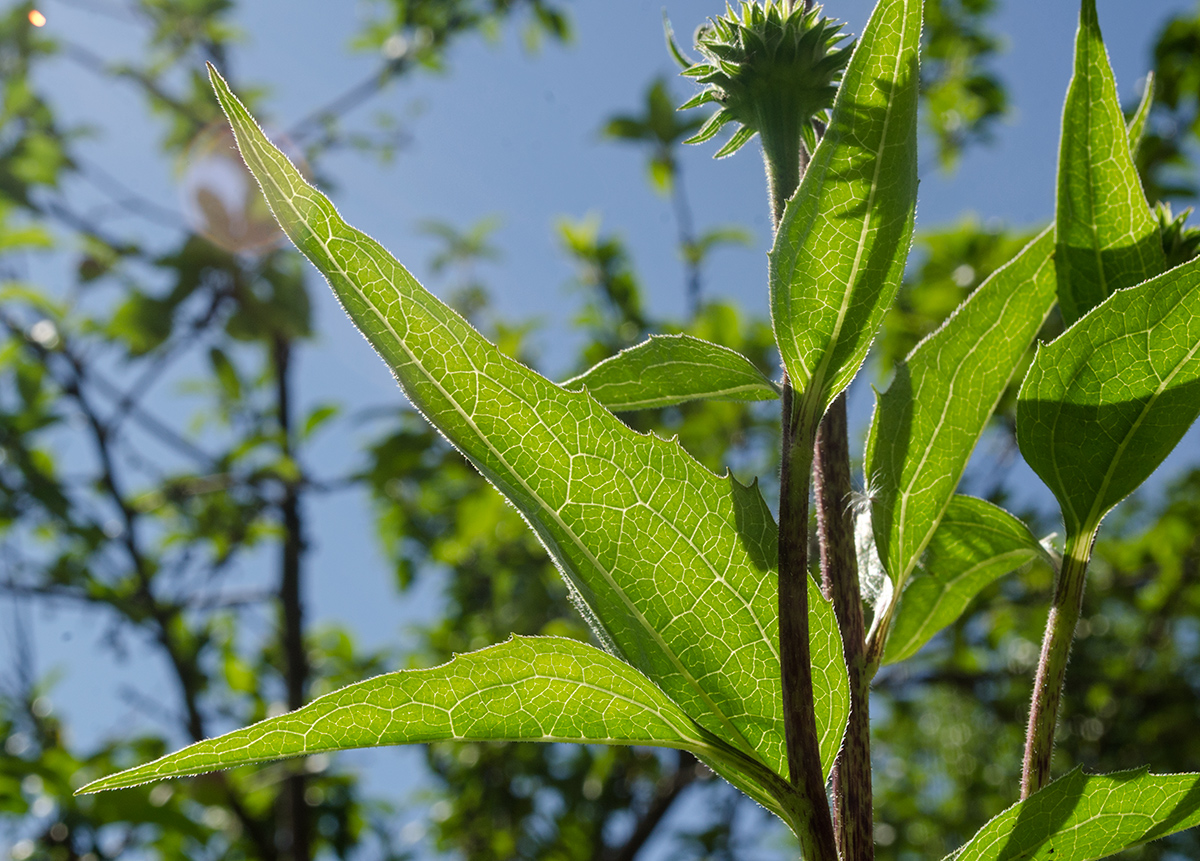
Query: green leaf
(527, 689)
(673, 566)
(1105, 402)
(671, 369)
(928, 421)
(1137, 123)
(975, 544)
(317, 419)
(1107, 236)
(226, 374)
(1081, 817)
(845, 234)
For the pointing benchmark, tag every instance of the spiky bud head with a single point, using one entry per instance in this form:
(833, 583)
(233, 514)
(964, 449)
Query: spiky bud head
(773, 68)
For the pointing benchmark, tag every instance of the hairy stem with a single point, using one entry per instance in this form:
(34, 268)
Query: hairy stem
(785, 160)
(1052, 665)
(799, 715)
(852, 814)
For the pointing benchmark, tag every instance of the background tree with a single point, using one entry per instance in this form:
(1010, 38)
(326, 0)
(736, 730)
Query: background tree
(110, 502)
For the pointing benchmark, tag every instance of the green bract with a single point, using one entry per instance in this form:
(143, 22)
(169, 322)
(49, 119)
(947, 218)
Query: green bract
(773, 68)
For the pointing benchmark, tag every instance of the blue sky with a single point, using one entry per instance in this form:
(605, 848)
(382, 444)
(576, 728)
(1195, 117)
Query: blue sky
(514, 134)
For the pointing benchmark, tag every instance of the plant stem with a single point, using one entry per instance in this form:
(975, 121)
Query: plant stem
(852, 813)
(1052, 665)
(785, 159)
(799, 714)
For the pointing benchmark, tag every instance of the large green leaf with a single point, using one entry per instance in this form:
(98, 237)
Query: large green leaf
(671, 369)
(928, 421)
(1082, 817)
(845, 234)
(673, 566)
(1105, 402)
(975, 544)
(527, 689)
(1107, 236)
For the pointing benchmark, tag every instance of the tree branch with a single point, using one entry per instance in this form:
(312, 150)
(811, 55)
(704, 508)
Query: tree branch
(689, 770)
(296, 812)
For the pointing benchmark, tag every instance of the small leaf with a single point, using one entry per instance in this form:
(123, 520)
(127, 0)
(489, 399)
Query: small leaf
(1137, 123)
(1107, 237)
(318, 417)
(226, 374)
(1083, 817)
(975, 544)
(845, 234)
(928, 421)
(672, 369)
(661, 554)
(1110, 398)
(527, 689)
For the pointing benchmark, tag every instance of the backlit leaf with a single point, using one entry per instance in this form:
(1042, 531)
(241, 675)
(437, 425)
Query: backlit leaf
(1082, 817)
(673, 566)
(845, 234)
(1107, 237)
(527, 689)
(671, 369)
(975, 544)
(1110, 398)
(1137, 123)
(928, 421)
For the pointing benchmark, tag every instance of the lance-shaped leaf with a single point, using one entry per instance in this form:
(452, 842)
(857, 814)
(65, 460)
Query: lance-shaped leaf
(527, 689)
(1137, 123)
(845, 234)
(975, 544)
(672, 565)
(1107, 236)
(928, 421)
(1110, 398)
(671, 369)
(1083, 817)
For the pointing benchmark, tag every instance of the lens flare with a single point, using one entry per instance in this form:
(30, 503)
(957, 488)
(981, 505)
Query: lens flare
(221, 200)
(36, 18)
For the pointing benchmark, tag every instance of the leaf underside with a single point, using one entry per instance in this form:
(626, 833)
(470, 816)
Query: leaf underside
(1107, 237)
(1082, 817)
(975, 544)
(670, 369)
(527, 689)
(845, 234)
(927, 423)
(1108, 400)
(673, 566)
